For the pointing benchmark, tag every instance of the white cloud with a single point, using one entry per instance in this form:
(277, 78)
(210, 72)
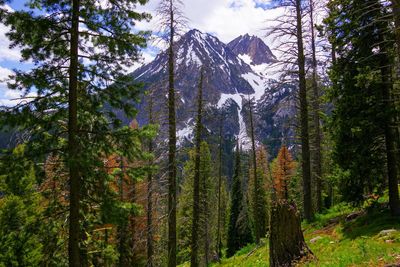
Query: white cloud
(10, 97)
(15, 99)
(226, 19)
(5, 94)
(146, 57)
(4, 74)
(5, 52)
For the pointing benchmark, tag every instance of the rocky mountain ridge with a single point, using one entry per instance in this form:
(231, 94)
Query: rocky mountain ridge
(236, 72)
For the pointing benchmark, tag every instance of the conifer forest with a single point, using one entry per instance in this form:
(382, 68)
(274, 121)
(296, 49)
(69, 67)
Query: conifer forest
(163, 133)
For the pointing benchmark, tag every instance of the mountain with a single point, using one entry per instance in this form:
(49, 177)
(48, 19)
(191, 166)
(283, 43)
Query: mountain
(197, 49)
(230, 81)
(254, 48)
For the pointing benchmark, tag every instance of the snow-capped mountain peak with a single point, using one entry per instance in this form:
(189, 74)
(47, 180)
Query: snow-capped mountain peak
(234, 74)
(253, 47)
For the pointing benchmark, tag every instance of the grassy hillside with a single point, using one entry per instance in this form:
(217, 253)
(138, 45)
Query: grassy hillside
(340, 237)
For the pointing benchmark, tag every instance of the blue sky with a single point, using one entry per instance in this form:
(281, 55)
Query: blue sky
(226, 19)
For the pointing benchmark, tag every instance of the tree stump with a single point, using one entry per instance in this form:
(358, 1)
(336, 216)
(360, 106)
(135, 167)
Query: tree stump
(286, 242)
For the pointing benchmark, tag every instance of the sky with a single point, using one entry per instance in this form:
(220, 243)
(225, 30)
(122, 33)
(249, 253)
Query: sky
(225, 19)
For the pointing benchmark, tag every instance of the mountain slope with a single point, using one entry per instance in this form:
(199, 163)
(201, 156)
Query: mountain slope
(230, 81)
(197, 49)
(253, 47)
(371, 239)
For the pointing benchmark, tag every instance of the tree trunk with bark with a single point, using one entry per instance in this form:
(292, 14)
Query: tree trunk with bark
(395, 95)
(123, 226)
(74, 177)
(171, 147)
(219, 253)
(396, 14)
(256, 218)
(305, 145)
(206, 224)
(316, 140)
(150, 250)
(286, 242)
(194, 261)
(389, 129)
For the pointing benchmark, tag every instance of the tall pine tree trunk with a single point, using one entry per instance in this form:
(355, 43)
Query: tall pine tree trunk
(150, 197)
(390, 136)
(171, 148)
(305, 146)
(233, 235)
(396, 13)
(219, 254)
(74, 226)
(391, 153)
(317, 158)
(256, 215)
(395, 135)
(194, 260)
(206, 222)
(122, 227)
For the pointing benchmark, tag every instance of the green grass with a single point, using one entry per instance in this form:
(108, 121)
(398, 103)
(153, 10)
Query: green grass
(249, 256)
(354, 243)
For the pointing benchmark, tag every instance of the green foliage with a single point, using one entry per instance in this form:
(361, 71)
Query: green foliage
(208, 196)
(336, 213)
(335, 247)
(239, 233)
(108, 44)
(356, 125)
(370, 224)
(20, 240)
(260, 195)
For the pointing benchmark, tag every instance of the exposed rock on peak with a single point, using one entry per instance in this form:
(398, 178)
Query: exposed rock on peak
(254, 47)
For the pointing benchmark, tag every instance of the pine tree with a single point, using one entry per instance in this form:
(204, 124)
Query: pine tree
(196, 181)
(259, 199)
(150, 188)
(396, 15)
(282, 171)
(316, 135)
(219, 253)
(295, 60)
(207, 197)
(238, 234)
(265, 171)
(391, 140)
(258, 196)
(20, 211)
(54, 190)
(207, 205)
(235, 206)
(305, 145)
(362, 85)
(171, 22)
(264, 189)
(78, 58)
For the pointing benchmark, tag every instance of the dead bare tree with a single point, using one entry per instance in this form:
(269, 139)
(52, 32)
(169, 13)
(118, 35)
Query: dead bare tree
(171, 22)
(289, 30)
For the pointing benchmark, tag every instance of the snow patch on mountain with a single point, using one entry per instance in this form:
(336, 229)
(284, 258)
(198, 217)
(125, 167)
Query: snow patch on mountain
(238, 98)
(246, 58)
(239, 71)
(258, 84)
(186, 133)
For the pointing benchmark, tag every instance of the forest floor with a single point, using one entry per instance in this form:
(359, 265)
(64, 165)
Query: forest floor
(341, 236)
